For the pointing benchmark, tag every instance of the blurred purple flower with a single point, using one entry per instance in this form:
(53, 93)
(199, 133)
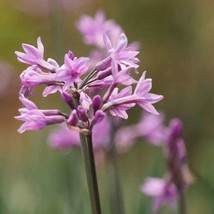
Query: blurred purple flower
(150, 127)
(64, 138)
(163, 191)
(93, 29)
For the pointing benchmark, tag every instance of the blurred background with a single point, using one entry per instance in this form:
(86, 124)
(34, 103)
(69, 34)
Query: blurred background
(177, 49)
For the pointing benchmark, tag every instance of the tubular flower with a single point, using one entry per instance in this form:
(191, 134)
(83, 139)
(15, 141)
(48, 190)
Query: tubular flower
(72, 70)
(141, 96)
(35, 119)
(34, 56)
(120, 52)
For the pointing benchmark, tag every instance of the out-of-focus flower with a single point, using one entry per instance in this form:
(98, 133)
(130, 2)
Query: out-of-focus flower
(168, 190)
(175, 152)
(64, 138)
(93, 29)
(163, 191)
(150, 127)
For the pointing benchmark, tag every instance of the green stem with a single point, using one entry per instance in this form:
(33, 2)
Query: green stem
(88, 77)
(182, 204)
(117, 191)
(88, 156)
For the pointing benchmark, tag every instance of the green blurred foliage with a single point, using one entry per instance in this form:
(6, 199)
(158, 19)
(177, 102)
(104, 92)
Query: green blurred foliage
(177, 43)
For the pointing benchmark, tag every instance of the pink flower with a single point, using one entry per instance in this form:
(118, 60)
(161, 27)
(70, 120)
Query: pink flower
(34, 56)
(35, 119)
(33, 76)
(93, 29)
(163, 191)
(120, 110)
(123, 55)
(141, 96)
(72, 70)
(64, 138)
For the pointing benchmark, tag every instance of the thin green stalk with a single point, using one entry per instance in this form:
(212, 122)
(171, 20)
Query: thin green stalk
(117, 190)
(182, 204)
(88, 156)
(88, 77)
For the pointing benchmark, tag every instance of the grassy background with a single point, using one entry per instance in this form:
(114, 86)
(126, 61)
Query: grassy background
(177, 48)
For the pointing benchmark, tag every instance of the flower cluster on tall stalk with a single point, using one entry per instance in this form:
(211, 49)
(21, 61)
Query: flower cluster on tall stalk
(170, 189)
(90, 91)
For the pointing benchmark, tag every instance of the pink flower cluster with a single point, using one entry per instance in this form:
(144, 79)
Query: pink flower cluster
(167, 190)
(88, 93)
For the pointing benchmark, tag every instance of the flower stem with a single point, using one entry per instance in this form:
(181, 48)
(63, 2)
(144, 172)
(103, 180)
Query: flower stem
(182, 205)
(117, 194)
(88, 156)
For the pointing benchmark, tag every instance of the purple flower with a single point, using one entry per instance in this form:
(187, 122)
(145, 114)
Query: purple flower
(163, 191)
(34, 56)
(123, 55)
(152, 129)
(120, 110)
(35, 119)
(146, 99)
(33, 76)
(176, 154)
(175, 144)
(93, 29)
(72, 70)
(64, 138)
(141, 96)
(123, 76)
